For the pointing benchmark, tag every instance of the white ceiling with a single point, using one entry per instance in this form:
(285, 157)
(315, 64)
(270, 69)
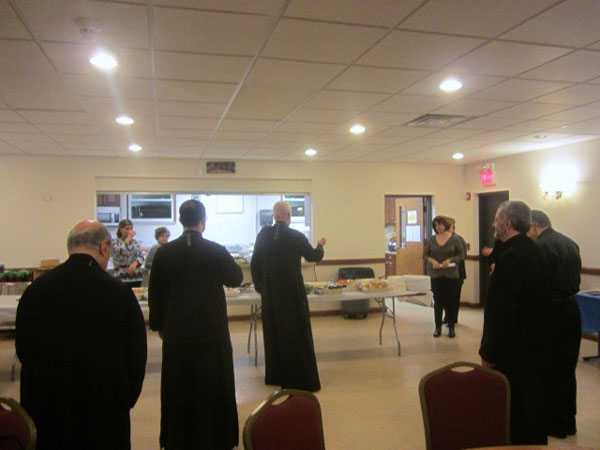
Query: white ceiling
(266, 79)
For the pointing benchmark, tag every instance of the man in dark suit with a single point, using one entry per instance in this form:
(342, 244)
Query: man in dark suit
(188, 309)
(82, 342)
(562, 271)
(514, 327)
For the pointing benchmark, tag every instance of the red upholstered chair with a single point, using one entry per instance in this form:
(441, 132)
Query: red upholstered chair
(465, 409)
(17, 430)
(292, 424)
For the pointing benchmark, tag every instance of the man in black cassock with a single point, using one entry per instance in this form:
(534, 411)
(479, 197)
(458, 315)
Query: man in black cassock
(276, 267)
(562, 270)
(81, 340)
(514, 328)
(188, 309)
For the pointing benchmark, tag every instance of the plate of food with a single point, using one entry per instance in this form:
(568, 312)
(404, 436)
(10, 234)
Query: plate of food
(140, 291)
(231, 292)
(374, 286)
(351, 285)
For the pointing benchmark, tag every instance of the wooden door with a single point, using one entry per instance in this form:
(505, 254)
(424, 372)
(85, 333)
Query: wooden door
(488, 204)
(409, 235)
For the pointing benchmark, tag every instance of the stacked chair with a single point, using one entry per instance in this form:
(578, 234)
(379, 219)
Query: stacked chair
(17, 430)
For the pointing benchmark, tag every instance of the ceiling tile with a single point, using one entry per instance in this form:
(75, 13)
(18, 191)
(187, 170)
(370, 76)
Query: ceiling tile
(121, 24)
(505, 58)
(264, 103)
(412, 50)
(411, 104)
(110, 107)
(7, 149)
(305, 127)
(219, 152)
(180, 143)
(185, 134)
(209, 32)
(352, 101)
(195, 91)
(500, 135)
(16, 138)
(536, 125)
(17, 128)
(473, 17)
(572, 23)
(408, 131)
(579, 66)
(579, 94)
(383, 119)
(269, 72)
(519, 90)
(69, 129)
(248, 125)
(180, 122)
(321, 115)
(184, 66)
(384, 13)
(431, 85)
(43, 147)
(99, 85)
(587, 126)
(316, 41)
(29, 80)
(240, 135)
(191, 109)
(57, 117)
(576, 114)
(531, 110)
(10, 25)
(373, 79)
(473, 107)
(268, 7)
(488, 123)
(74, 58)
(285, 136)
(10, 116)
(454, 133)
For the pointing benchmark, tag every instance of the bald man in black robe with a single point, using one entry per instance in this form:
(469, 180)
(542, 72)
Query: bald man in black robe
(82, 341)
(290, 360)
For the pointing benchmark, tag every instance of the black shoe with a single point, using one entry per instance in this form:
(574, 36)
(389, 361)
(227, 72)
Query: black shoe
(560, 434)
(437, 333)
(451, 332)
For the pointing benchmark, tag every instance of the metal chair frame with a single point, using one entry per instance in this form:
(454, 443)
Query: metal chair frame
(17, 409)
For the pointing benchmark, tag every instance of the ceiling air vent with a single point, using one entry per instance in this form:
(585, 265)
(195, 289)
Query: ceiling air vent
(437, 121)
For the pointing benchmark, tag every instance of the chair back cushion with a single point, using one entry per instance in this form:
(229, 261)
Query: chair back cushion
(466, 409)
(294, 424)
(12, 428)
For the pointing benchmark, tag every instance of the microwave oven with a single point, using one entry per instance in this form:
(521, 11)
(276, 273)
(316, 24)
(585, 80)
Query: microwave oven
(108, 215)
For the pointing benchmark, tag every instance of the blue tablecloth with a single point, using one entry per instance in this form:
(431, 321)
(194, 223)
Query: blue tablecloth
(589, 304)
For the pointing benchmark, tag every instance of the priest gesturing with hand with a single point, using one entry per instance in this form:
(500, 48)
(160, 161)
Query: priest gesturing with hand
(290, 360)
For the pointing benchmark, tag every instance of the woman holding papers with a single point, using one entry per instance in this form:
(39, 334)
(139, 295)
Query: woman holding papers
(442, 253)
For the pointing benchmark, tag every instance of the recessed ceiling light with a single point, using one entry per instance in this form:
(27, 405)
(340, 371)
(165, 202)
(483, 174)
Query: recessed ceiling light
(124, 120)
(458, 156)
(135, 147)
(104, 61)
(310, 152)
(450, 85)
(541, 136)
(357, 129)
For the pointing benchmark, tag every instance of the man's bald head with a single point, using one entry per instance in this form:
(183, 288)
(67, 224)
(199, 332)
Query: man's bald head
(86, 235)
(282, 212)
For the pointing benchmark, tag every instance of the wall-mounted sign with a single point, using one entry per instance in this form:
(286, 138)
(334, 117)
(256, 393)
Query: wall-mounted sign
(220, 167)
(411, 217)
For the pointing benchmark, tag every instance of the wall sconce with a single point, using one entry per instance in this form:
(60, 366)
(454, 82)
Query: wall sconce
(552, 194)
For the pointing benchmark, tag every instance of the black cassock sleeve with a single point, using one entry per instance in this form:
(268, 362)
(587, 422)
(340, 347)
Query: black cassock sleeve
(501, 310)
(135, 347)
(157, 291)
(308, 252)
(25, 324)
(231, 272)
(256, 263)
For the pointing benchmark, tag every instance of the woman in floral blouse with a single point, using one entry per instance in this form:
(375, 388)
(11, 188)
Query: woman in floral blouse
(127, 255)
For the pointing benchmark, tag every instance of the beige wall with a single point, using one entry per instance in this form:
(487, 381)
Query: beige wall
(348, 204)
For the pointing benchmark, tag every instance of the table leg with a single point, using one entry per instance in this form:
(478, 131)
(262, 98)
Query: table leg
(394, 322)
(13, 369)
(383, 306)
(252, 324)
(587, 358)
(257, 308)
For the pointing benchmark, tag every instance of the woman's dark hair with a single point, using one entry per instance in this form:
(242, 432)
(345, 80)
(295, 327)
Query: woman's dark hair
(160, 231)
(440, 219)
(122, 224)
